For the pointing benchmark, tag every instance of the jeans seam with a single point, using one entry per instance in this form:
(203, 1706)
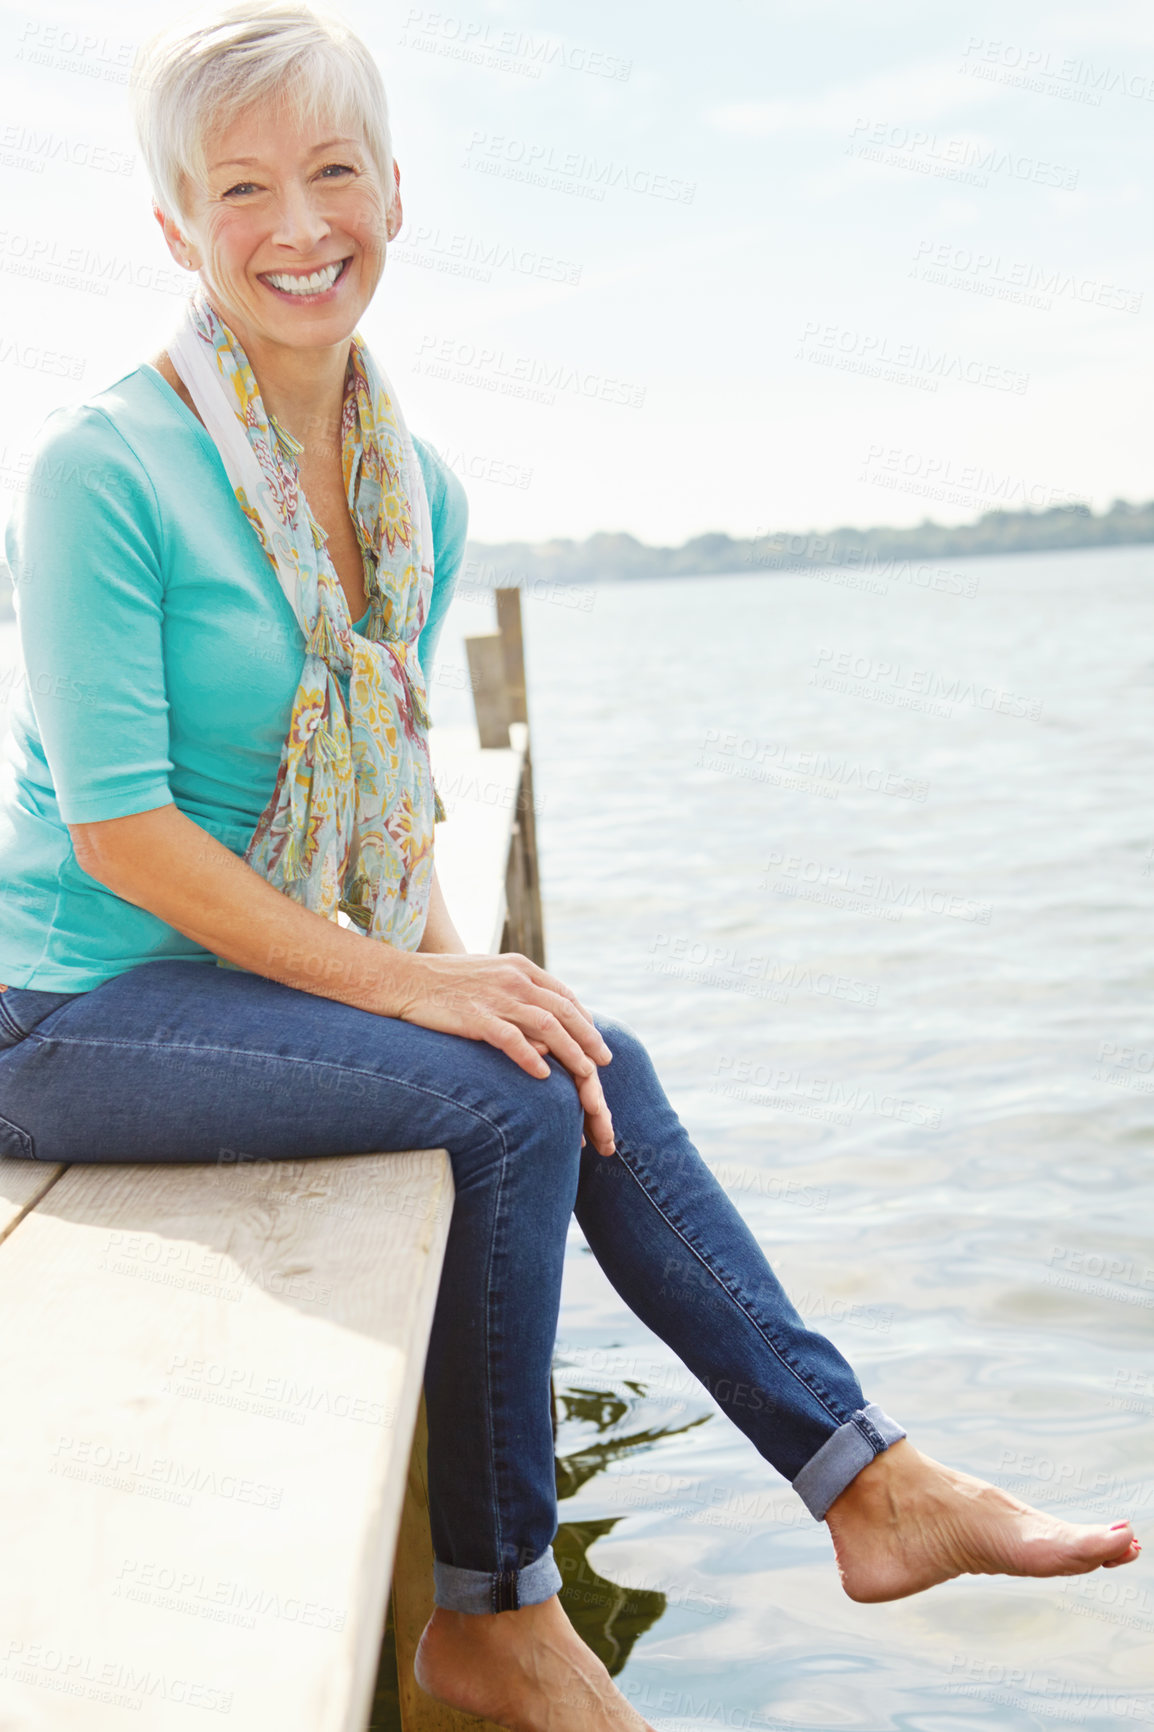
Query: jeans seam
(276, 1058)
(726, 1289)
(869, 1431)
(494, 1488)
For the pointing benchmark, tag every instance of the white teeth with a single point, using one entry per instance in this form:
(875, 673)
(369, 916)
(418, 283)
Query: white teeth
(313, 285)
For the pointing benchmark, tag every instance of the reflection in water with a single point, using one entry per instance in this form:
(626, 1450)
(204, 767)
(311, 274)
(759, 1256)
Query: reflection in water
(608, 1618)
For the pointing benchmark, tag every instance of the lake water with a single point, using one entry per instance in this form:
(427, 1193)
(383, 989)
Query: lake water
(870, 869)
(872, 874)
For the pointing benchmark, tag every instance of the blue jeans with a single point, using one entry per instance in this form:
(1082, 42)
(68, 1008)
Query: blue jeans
(184, 1061)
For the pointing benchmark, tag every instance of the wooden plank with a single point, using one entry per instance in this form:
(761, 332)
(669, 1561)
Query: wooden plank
(216, 1373)
(490, 692)
(480, 791)
(513, 651)
(22, 1184)
(535, 945)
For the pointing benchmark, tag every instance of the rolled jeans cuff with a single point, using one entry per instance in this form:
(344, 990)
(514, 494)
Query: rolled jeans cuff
(842, 1457)
(460, 1590)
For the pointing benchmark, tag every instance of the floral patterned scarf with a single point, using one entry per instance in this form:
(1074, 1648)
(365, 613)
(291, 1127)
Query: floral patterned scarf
(349, 826)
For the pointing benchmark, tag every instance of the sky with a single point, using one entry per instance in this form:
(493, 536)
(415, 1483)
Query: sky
(669, 269)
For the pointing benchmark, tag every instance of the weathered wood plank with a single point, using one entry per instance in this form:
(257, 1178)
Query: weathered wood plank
(490, 693)
(480, 792)
(22, 1184)
(513, 651)
(216, 1372)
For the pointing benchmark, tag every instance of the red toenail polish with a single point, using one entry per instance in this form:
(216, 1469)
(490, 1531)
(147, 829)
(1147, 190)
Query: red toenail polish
(1118, 1525)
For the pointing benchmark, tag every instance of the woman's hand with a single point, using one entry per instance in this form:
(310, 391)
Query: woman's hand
(512, 1004)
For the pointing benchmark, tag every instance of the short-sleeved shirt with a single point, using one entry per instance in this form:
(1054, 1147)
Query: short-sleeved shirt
(159, 662)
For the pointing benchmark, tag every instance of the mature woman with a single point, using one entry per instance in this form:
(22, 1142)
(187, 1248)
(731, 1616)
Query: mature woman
(231, 567)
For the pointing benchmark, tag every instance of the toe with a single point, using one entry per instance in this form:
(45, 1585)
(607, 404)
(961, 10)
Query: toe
(1107, 1546)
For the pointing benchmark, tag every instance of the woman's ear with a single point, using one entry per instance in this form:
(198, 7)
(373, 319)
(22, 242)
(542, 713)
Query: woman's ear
(396, 213)
(177, 245)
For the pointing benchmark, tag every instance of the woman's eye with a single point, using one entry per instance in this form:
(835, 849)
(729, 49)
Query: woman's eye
(244, 186)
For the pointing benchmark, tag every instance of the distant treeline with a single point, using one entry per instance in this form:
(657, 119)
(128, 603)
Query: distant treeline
(617, 557)
(614, 558)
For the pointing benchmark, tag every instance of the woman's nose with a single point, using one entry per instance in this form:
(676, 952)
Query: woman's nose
(300, 221)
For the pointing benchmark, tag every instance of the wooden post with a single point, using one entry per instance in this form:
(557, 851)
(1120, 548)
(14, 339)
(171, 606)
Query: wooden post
(490, 692)
(413, 1601)
(509, 628)
(497, 673)
(531, 941)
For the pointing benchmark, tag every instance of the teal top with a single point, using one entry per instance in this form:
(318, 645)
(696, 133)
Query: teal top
(160, 662)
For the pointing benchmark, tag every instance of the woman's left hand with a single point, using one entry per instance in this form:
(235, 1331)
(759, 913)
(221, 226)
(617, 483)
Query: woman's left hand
(544, 1051)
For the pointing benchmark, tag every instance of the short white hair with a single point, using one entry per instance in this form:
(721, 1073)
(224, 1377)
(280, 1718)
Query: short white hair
(195, 78)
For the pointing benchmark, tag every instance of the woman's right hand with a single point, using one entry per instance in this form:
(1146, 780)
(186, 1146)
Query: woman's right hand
(510, 1003)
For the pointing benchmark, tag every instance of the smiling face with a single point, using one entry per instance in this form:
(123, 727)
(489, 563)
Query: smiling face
(289, 235)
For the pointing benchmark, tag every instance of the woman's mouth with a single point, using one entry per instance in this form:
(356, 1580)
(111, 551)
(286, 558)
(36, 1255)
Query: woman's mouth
(308, 287)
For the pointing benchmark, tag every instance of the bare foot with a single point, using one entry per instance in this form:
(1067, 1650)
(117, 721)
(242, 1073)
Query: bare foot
(906, 1523)
(528, 1670)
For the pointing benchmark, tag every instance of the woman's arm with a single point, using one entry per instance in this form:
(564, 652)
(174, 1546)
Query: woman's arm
(441, 937)
(163, 861)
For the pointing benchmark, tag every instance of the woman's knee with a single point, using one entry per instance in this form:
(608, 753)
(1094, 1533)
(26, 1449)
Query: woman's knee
(547, 1108)
(521, 1116)
(631, 1064)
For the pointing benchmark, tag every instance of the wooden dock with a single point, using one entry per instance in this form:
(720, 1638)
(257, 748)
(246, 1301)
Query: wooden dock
(211, 1379)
